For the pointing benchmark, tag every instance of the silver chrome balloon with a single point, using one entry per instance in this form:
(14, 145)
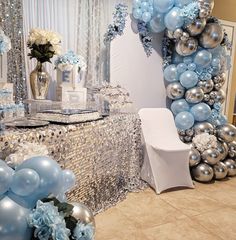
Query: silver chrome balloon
(211, 156)
(206, 7)
(218, 86)
(211, 36)
(207, 86)
(231, 165)
(178, 33)
(185, 36)
(222, 150)
(175, 90)
(194, 95)
(220, 96)
(232, 149)
(203, 127)
(194, 157)
(196, 27)
(82, 213)
(186, 48)
(226, 132)
(169, 34)
(203, 172)
(221, 79)
(220, 170)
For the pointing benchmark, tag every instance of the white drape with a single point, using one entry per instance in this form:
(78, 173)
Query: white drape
(82, 24)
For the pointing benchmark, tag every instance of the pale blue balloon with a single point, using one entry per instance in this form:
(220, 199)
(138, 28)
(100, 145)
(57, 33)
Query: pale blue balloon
(228, 62)
(203, 58)
(157, 23)
(25, 182)
(137, 3)
(5, 178)
(137, 13)
(216, 70)
(182, 67)
(163, 6)
(13, 221)
(184, 120)
(68, 180)
(223, 119)
(144, 6)
(215, 62)
(180, 105)
(3, 163)
(49, 172)
(146, 17)
(188, 60)
(201, 112)
(173, 19)
(171, 73)
(182, 3)
(192, 67)
(188, 79)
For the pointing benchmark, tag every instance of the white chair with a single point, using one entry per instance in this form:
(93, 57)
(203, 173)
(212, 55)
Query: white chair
(166, 160)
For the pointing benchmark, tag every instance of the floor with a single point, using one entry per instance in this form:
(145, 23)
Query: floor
(207, 212)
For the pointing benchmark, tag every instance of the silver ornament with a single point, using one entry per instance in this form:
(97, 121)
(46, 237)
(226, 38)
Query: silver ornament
(175, 90)
(178, 33)
(185, 36)
(231, 165)
(188, 139)
(220, 170)
(220, 79)
(206, 86)
(218, 86)
(220, 96)
(196, 27)
(211, 156)
(206, 7)
(203, 127)
(226, 132)
(211, 102)
(206, 97)
(190, 132)
(203, 173)
(204, 13)
(194, 95)
(232, 149)
(181, 132)
(83, 214)
(186, 48)
(211, 36)
(194, 157)
(220, 147)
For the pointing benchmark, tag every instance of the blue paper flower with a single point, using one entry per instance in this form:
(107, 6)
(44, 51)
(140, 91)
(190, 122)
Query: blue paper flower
(83, 231)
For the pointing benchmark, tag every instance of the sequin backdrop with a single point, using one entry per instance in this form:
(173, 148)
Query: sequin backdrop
(12, 13)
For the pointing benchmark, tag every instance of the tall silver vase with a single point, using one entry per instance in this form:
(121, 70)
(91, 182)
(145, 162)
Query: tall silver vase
(39, 82)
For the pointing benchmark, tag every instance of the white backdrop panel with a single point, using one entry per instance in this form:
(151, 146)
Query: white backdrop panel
(133, 70)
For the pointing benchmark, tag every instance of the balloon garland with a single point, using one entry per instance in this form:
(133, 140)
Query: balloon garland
(194, 64)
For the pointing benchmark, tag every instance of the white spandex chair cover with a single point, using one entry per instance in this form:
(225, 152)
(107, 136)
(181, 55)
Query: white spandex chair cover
(166, 161)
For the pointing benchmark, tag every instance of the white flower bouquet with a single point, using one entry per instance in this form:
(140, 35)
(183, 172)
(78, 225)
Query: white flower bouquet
(204, 141)
(44, 44)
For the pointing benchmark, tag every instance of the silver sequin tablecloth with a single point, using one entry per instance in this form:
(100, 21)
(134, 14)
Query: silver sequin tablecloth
(105, 156)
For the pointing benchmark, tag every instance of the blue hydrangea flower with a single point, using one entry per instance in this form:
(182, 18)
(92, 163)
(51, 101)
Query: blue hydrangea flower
(83, 232)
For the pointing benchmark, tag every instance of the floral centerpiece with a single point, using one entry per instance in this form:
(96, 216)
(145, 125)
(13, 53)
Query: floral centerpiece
(43, 45)
(5, 43)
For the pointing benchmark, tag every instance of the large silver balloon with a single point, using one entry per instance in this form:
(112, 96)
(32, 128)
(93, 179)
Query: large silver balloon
(232, 149)
(194, 157)
(175, 90)
(196, 27)
(82, 213)
(207, 86)
(13, 221)
(226, 132)
(186, 48)
(203, 173)
(220, 170)
(231, 165)
(194, 95)
(211, 156)
(203, 127)
(211, 36)
(222, 150)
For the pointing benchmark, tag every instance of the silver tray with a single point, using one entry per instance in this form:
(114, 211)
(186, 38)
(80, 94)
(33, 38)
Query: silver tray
(27, 123)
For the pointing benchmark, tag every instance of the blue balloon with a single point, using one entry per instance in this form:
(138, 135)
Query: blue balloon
(171, 73)
(182, 67)
(49, 172)
(13, 221)
(25, 182)
(228, 62)
(137, 3)
(177, 58)
(5, 178)
(137, 13)
(192, 67)
(184, 120)
(188, 60)
(180, 105)
(146, 17)
(174, 19)
(68, 180)
(203, 58)
(215, 62)
(3, 163)
(188, 79)
(144, 6)
(157, 23)
(201, 112)
(182, 3)
(163, 6)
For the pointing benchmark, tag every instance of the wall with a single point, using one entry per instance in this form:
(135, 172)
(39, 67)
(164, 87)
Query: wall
(227, 10)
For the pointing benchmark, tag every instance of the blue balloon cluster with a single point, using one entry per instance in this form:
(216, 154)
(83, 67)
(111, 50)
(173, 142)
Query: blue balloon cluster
(34, 179)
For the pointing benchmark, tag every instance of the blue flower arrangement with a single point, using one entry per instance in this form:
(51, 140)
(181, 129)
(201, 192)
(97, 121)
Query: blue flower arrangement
(190, 12)
(53, 220)
(5, 43)
(118, 25)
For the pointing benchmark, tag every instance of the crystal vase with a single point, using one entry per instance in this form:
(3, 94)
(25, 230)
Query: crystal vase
(39, 82)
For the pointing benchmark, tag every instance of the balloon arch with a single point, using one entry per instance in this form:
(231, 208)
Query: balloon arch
(194, 63)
